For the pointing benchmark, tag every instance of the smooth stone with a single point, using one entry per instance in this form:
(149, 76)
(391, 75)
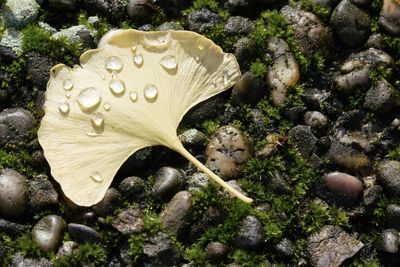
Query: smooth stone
(315, 119)
(331, 246)
(11, 43)
(13, 193)
(141, 159)
(193, 137)
(109, 203)
(140, 10)
(207, 109)
(343, 185)
(376, 40)
(132, 187)
(63, 5)
(176, 215)
(16, 122)
(67, 248)
(245, 52)
(389, 18)
(388, 175)
(389, 241)
(227, 152)
(251, 234)
(351, 24)
(216, 251)
(115, 10)
(238, 25)
(283, 72)
(18, 13)
(200, 20)
(303, 139)
(83, 233)
(382, 98)
(129, 221)
(42, 193)
(48, 232)
(161, 251)
(168, 181)
(248, 90)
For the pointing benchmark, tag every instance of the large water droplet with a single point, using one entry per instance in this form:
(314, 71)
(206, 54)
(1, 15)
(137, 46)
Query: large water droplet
(96, 176)
(88, 98)
(225, 77)
(133, 96)
(97, 120)
(113, 64)
(68, 84)
(150, 92)
(117, 87)
(138, 59)
(107, 106)
(63, 108)
(168, 62)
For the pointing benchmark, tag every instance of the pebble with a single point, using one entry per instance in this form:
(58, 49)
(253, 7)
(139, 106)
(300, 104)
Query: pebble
(389, 18)
(278, 183)
(238, 25)
(176, 216)
(141, 159)
(376, 40)
(140, 10)
(388, 175)
(248, 90)
(129, 221)
(67, 248)
(111, 9)
(389, 241)
(13, 193)
(372, 195)
(170, 26)
(211, 217)
(48, 232)
(39, 68)
(285, 247)
(243, 7)
(251, 234)
(77, 33)
(18, 260)
(42, 193)
(63, 5)
(343, 186)
(351, 24)
(109, 203)
(382, 98)
(161, 251)
(193, 138)
(283, 72)
(331, 246)
(303, 139)
(315, 119)
(16, 122)
(11, 228)
(216, 251)
(393, 216)
(207, 109)
(18, 13)
(83, 233)
(347, 157)
(315, 98)
(227, 152)
(200, 20)
(198, 181)
(11, 43)
(310, 33)
(132, 187)
(245, 52)
(168, 181)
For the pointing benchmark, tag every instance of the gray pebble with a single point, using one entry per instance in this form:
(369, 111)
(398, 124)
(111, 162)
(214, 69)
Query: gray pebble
(372, 194)
(129, 221)
(83, 233)
(67, 248)
(216, 251)
(108, 204)
(344, 187)
(347, 157)
(140, 10)
(376, 40)
(200, 20)
(251, 234)
(388, 174)
(238, 25)
(13, 193)
(12, 228)
(42, 193)
(393, 216)
(303, 139)
(18, 13)
(193, 137)
(168, 26)
(161, 251)
(389, 18)
(112, 9)
(198, 181)
(11, 43)
(132, 187)
(248, 90)
(168, 181)
(389, 241)
(382, 98)
(77, 33)
(285, 247)
(48, 232)
(19, 260)
(16, 122)
(245, 52)
(39, 68)
(315, 119)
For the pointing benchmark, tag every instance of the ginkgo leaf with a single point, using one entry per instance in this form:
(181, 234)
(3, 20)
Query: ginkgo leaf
(129, 94)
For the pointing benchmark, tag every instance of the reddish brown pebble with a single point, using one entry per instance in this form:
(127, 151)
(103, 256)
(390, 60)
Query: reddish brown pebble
(343, 184)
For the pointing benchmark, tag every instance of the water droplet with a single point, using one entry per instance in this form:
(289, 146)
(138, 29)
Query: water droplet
(225, 77)
(200, 46)
(68, 95)
(138, 59)
(133, 49)
(68, 84)
(117, 87)
(150, 92)
(113, 64)
(214, 83)
(168, 62)
(107, 106)
(63, 108)
(97, 120)
(133, 96)
(88, 98)
(96, 176)
(197, 58)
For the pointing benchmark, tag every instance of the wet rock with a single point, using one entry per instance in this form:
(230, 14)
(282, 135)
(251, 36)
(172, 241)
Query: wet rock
(132, 187)
(285, 247)
(42, 194)
(200, 20)
(284, 71)
(389, 241)
(227, 152)
(63, 5)
(238, 25)
(388, 174)
(309, 31)
(382, 98)
(322, 3)
(19, 260)
(303, 139)
(393, 216)
(351, 24)
(48, 232)
(78, 33)
(207, 109)
(372, 194)
(83, 233)
(112, 9)
(139, 160)
(108, 204)
(376, 40)
(168, 26)
(216, 251)
(389, 18)
(161, 251)
(347, 157)
(11, 44)
(13, 193)
(315, 119)
(129, 221)
(67, 249)
(11, 228)
(251, 234)
(314, 98)
(18, 13)
(248, 90)
(168, 181)
(212, 217)
(176, 216)
(16, 122)
(193, 137)
(331, 246)
(344, 187)
(245, 52)
(198, 181)
(140, 10)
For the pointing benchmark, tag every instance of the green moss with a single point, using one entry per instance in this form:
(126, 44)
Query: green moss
(380, 72)
(91, 253)
(102, 27)
(322, 12)
(27, 247)
(294, 96)
(394, 154)
(248, 258)
(17, 159)
(209, 126)
(259, 68)
(218, 35)
(8, 244)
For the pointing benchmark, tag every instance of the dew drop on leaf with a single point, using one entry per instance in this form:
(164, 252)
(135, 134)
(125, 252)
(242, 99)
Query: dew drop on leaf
(133, 96)
(113, 64)
(63, 108)
(68, 84)
(117, 87)
(96, 176)
(97, 120)
(88, 99)
(107, 106)
(168, 62)
(150, 92)
(138, 59)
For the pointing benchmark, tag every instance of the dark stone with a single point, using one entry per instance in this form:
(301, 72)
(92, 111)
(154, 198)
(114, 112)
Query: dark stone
(168, 181)
(376, 40)
(160, 251)
(346, 189)
(86, 38)
(303, 139)
(393, 216)
(315, 119)
(238, 25)
(200, 20)
(207, 109)
(243, 7)
(245, 52)
(132, 187)
(108, 204)
(347, 157)
(14, 124)
(129, 221)
(212, 217)
(13, 193)
(314, 98)
(39, 68)
(168, 26)
(12, 228)
(372, 194)
(251, 234)
(83, 233)
(389, 241)
(47, 233)
(42, 193)
(382, 98)
(248, 90)
(140, 10)
(113, 9)
(388, 175)
(139, 160)
(63, 5)
(278, 183)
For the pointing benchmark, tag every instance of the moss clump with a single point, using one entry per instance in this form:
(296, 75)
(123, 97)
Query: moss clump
(322, 12)
(87, 253)
(101, 28)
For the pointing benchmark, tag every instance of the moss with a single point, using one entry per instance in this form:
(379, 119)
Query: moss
(101, 28)
(322, 12)
(259, 68)
(27, 247)
(209, 126)
(380, 72)
(394, 154)
(218, 35)
(17, 159)
(248, 258)
(8, 244)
